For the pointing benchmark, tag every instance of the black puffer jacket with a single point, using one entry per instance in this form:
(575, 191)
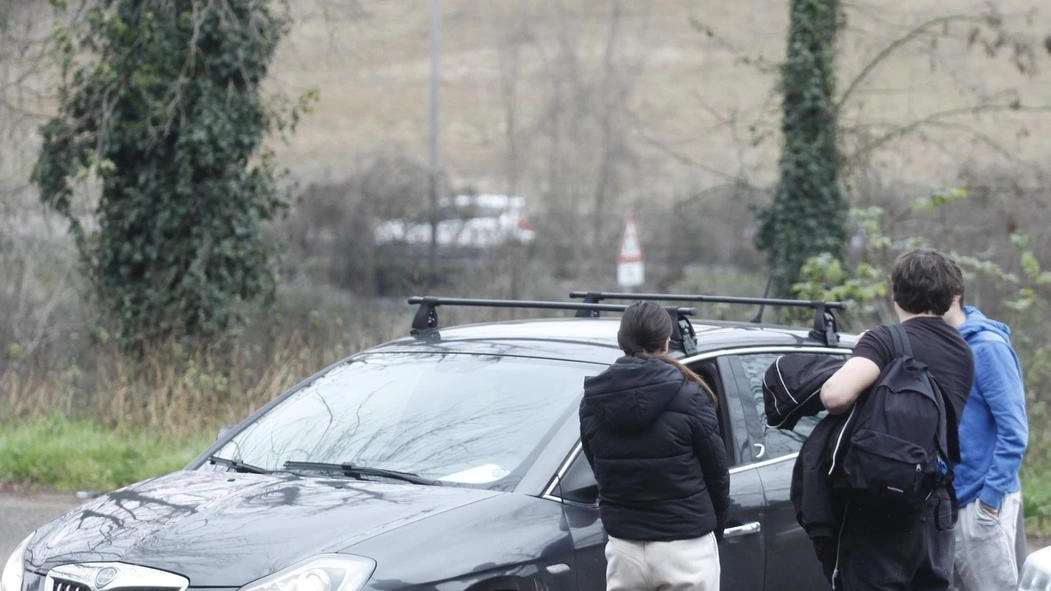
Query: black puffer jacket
(653, 440)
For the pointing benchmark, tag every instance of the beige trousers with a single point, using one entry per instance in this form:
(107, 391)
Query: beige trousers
(985, 547)
(682, 565)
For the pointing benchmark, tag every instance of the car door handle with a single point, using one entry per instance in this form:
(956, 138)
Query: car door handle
(742, 530)
(760, 450)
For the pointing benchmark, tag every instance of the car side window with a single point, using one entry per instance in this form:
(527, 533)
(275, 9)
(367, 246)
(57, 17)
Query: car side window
(770, 442)
(578, 483)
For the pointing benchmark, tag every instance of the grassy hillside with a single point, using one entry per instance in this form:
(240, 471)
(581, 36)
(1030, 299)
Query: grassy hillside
(695, 88)
(698, 114)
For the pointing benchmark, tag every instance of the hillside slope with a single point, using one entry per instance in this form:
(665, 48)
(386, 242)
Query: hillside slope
(694, 113)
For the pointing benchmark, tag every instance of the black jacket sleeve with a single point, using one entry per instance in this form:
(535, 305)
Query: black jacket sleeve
(709, 447)
(584, 436)
(819, 510)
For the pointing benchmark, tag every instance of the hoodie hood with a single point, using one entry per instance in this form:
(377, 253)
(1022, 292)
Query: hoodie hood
(632, 393)
(977, 323)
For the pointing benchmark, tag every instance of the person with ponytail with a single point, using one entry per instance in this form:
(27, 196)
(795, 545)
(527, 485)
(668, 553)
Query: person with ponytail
(649, 430)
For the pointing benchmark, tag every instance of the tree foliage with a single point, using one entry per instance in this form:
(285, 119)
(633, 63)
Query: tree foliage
(160, 100)
(808, 214)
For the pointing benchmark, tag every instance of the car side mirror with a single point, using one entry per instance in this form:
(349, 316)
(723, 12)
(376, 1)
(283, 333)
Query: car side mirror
(224, 431)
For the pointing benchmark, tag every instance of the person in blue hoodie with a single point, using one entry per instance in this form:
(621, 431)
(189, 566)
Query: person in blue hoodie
(994, 432)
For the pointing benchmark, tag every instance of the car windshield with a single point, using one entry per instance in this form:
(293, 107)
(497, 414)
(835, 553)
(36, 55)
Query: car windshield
(457, 418)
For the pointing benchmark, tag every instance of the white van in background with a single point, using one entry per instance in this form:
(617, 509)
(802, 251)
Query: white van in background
(465, 221)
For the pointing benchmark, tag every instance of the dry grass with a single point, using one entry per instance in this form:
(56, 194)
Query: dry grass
(177, 391)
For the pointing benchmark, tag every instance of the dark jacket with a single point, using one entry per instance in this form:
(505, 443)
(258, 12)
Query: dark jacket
(791, 389)
(819, 507)
(653, 440)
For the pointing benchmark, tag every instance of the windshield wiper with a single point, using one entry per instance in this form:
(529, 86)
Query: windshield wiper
(238, 465)
(351, 470)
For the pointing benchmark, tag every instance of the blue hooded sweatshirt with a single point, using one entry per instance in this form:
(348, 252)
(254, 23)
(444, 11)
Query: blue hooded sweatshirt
(994, 429)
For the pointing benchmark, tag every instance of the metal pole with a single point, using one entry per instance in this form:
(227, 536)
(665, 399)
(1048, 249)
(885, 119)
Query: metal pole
(435, 163)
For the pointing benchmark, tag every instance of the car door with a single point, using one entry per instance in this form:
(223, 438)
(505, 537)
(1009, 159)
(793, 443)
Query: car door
(741, 551)
(792, 562)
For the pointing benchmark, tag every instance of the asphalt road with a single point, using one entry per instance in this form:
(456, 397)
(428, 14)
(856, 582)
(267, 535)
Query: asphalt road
(21, 514)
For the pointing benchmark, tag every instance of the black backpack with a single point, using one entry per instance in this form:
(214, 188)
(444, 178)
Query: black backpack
(897, 446)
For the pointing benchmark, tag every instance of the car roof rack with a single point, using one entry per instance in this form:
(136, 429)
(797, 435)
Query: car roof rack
(825, 323)
(426, 318)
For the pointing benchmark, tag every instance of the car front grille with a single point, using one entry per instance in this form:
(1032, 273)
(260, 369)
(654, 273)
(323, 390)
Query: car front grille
(112, 576)
(125, 588)
(64, 585)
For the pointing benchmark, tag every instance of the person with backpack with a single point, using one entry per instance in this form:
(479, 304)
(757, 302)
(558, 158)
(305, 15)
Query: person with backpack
(994, 432)
(898, 534)
(649, 430)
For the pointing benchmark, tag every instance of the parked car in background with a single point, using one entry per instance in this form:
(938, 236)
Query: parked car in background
(446, 460)
(465, 221)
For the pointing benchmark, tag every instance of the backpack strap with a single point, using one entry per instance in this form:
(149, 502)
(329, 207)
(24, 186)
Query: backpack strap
(902, 348)
(900, 339)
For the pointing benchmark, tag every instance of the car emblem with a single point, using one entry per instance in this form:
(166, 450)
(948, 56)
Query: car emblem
(105, 577)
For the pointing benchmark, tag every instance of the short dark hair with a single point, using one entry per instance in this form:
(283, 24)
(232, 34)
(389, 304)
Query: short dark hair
(925, 280)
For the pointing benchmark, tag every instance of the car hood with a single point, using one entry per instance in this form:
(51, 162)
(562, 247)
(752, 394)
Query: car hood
(224, 529)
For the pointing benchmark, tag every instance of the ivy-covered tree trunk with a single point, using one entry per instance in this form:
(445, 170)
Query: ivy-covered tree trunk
(808, 215)
(161, 100)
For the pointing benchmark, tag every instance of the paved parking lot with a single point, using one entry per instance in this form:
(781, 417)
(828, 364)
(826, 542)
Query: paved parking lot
(20, 514)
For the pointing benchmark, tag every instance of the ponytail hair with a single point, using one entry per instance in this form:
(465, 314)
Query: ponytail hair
(687, 373)
(644, 330)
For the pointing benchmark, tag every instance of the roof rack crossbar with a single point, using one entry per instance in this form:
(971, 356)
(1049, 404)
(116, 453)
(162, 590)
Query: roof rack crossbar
(427, 314)
(598, 296)
(825, 325)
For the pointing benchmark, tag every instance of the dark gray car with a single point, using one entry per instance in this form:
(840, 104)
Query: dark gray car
(448, 460)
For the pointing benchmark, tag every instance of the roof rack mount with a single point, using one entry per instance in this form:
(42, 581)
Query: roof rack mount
(427, 314)
(825, 324)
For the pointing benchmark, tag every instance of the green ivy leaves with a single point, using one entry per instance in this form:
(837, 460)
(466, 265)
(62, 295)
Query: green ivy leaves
(161, 101)
(808, 215)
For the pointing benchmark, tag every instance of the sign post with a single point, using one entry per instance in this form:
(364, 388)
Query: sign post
(630, 269)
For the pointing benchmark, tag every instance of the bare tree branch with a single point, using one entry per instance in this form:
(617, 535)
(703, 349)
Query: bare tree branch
(937, 119)
(893, 46)
(639, 128)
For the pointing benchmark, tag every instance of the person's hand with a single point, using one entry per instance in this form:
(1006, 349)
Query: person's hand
(988, 509)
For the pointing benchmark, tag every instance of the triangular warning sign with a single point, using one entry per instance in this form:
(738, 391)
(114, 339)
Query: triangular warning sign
(630, 249)
(630, 269)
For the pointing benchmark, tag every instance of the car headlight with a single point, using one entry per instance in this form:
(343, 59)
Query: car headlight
(1036, 573)
(15, 567)
(327, 572)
